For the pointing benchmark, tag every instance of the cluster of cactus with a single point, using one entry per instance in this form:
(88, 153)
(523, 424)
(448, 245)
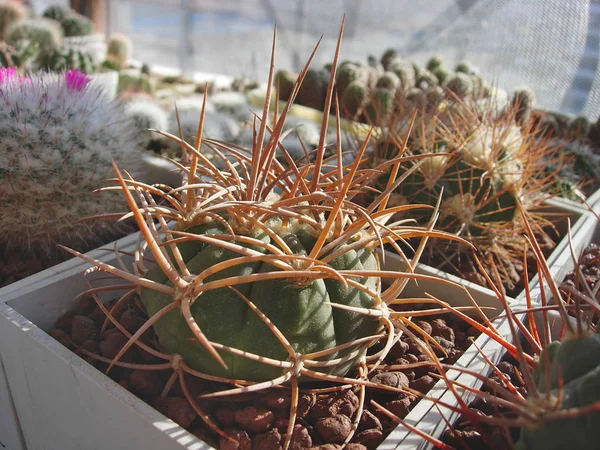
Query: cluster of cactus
(59, 136)
(10, 12)
(118, 51)
(18, 55)
(62, 59)
(370, 92)
(47, 33)
(482, 164)
(72, 23)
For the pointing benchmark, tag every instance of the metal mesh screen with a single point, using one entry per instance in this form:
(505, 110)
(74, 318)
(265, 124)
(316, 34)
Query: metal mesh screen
(553, 46)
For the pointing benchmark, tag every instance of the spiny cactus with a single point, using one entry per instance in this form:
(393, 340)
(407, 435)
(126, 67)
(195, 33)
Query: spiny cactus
(59, 138)
(119, 50)
(10, 12)
(483, 165)
(47, 33)
(134, 82)
(460, 85)
(523, 100)
(62, 59)
(57, 12)
(267, 280)
(18, 55)
(145, 115)
(77, 25)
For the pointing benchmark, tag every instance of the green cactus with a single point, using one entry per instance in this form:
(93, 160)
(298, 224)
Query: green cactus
(434, 63)
(62, 59)
(380, 106)
(426, 80)
(464, 67)
(18, 55)
(57, 12)
(314, 88)
(460, 85)
(10, 12)
(47, 33)
(119, 50)
(442, 74)
(389, 80)
(77, 25)
(346, 74)
(405, 71)
(134, 82)
(579, 128)
(302, 314)
(285, 79)
(522, 103)
(354, 99)
(574, 365)
(388, 57)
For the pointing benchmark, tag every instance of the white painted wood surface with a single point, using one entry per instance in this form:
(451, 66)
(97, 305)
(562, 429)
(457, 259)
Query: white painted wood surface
(10, 430)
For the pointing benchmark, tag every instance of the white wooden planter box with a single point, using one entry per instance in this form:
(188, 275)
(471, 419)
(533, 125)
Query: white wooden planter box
(63, 402)
(95, 412)
(158, 170)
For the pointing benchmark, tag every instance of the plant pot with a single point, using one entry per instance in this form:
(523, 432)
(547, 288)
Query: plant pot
(94, 45)
(11, 437)
(158, 170)
(96, 412)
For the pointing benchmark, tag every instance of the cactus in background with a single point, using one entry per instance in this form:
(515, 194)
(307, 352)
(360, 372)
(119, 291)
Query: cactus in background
(77, 25)
(47, 33)
(10, 12)
(62, 59)
(18, 55)
(57, 12)
(59, 138)
(134, 82)
(144, 115)
(522, 101)
(460, 84)
(313, 90)
(434, 63)
(119, 51)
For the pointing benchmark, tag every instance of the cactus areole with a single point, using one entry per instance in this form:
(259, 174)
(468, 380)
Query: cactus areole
(299, 308)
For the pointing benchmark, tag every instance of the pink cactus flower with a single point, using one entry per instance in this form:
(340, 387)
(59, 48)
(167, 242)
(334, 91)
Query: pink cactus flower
(76, 80)
(6, 73)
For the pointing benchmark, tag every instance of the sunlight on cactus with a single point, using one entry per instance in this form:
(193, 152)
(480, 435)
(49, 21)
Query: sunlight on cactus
(59, 138)
(269, 272)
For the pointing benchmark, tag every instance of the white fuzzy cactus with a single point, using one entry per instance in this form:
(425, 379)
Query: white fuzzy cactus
(59, 136)
(145, 115)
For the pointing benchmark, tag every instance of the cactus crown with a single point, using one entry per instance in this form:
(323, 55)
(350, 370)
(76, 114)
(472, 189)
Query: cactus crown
(59, 137)
(282, 247)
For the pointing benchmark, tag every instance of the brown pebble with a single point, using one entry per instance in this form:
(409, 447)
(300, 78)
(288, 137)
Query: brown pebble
(85, 306)
(334, 429)
(371, 438)
(368, 420)
(411, 358)
(305, 404)
(441, 328)
(110, 347)
(146, 382)
(301, 438)
(398, 349)
(277, 400)
(400, 407)
(270, 440)
(178, 409)
(254, 420)
(423, 384)
(62, 337)
(131, 321)
(396, 380)
(425, 326)
(82, 329)
(224, 414)
(241, 440)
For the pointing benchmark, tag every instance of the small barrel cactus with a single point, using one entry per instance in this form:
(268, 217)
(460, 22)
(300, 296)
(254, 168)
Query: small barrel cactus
(47, 33)
(118, 50)
(57, 12)
(144, 115)
(434, 63)
(10, 12)
(134, 82)
(460, 85)
(522, 101)
(59, 138)
(313, 90)
(17, 55)
(567, 378)
(62, 59)
(77, 25)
